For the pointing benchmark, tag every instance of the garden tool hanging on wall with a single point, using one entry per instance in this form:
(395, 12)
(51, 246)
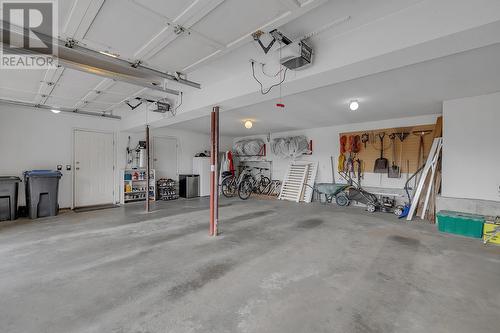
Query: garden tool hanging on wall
(394, 170)
(381, 164)
(365, 138)
(354, 144)
(360, 170)
(402, 137)
(421, 148)
(354, 149)
(342, 162)
(421, 151)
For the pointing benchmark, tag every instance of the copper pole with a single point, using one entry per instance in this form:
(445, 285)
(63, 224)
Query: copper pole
(216, 198)
(148, 170)
(214, 142)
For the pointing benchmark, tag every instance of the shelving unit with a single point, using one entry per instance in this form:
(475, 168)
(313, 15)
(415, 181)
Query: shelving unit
(134, 187)
(167, 189)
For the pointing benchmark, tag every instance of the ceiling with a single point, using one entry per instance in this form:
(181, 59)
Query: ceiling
(406, 92)
(216, 37)
(328, 20)
(144, 30)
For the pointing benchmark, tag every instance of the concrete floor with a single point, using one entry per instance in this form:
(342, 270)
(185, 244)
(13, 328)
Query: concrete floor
(278, 267)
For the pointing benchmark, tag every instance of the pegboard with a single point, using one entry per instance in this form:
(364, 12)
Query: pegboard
(409, 147)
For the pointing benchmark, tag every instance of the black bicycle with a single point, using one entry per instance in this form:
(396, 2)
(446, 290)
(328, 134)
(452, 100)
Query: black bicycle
(230, 183)
(250, 183)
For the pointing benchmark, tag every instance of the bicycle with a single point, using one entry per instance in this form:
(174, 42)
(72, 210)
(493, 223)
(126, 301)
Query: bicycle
(273, 189)
(251, 184)
(230, 183)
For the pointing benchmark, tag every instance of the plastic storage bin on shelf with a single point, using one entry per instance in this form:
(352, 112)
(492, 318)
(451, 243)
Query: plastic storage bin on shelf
(42, 189)
(463, 224)
(9, 189)
(135, 187)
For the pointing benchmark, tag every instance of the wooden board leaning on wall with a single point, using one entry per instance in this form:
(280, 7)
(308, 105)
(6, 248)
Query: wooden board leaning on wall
(410, 147)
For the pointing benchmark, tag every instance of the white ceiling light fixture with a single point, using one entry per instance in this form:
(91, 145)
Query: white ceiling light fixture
(248, 124)
(55, 111)
(354, 105)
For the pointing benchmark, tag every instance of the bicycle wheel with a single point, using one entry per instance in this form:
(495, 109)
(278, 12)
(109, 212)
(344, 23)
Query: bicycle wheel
(245, 189)
(263, 184)
(277, 189)
(228, 187)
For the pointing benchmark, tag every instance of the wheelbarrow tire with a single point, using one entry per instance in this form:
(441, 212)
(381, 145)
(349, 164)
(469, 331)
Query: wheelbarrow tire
(342, 200)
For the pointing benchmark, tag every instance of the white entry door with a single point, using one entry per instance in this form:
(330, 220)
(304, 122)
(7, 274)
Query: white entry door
(94, 168)
(165, 157)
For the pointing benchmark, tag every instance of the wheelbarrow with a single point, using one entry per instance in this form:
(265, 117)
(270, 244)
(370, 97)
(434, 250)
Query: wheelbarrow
(330, 191)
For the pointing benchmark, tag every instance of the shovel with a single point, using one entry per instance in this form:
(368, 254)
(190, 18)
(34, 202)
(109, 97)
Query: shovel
(381, 164)
(394, 171)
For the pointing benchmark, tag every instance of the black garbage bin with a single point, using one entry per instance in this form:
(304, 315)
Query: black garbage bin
(42, 188)
(9, 188)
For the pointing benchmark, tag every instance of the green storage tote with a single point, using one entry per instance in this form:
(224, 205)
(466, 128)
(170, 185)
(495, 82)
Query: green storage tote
(468, 225)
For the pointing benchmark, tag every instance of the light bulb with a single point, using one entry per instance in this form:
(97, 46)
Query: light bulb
(55, 111)
(354, 105)
(248, 124)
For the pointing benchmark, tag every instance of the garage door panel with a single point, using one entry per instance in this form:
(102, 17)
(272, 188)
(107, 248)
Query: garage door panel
(170, 9)
(61, 102)
(75, 84)
(64, 10)
(95, 107)
(124, 27)
(23, 80)
(181, 53)
(120, 88)
(110, 98)
(17, 95)
(234, 19)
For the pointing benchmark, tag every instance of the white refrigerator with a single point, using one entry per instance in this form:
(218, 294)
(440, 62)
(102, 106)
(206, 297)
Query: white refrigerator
(201, 166)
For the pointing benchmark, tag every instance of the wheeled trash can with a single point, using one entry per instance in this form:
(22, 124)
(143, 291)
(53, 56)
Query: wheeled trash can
(42, 187)
(9, 189)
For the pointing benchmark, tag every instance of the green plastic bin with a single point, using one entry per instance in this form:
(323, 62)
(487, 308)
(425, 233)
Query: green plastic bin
(463, 224)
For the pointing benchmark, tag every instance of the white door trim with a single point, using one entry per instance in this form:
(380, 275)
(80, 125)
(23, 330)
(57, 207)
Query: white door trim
(115, 139)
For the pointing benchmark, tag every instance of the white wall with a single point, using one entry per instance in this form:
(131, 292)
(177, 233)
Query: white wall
(38, 139)
(326, 144)
(190, 143)
(471, 153)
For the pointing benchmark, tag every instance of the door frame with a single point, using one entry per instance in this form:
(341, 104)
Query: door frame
(114, 134)
(177, 147)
